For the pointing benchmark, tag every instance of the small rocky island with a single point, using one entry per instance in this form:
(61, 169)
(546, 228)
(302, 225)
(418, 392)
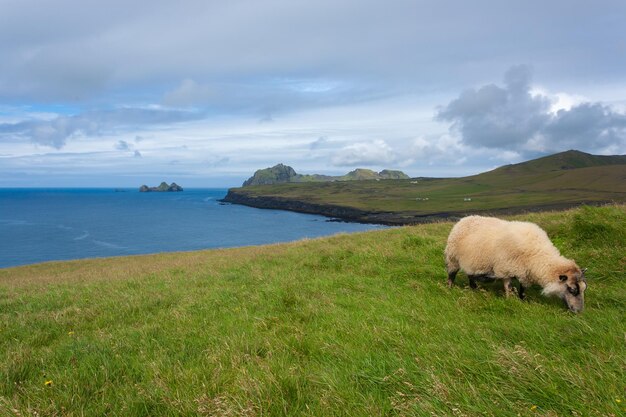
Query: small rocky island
(161, 188)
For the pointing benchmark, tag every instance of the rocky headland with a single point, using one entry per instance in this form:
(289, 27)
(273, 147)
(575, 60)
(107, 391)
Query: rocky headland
(553, 182)
(280, 174)
(334, 212)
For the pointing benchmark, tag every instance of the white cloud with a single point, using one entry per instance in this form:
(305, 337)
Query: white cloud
(189, 93)
(319, 143)
(122, 145)
(102, 48)
(55, 132)
(517, 118)
(377, 153)
(560, 100)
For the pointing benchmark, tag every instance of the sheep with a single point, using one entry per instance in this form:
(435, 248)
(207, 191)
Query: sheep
(487, 248)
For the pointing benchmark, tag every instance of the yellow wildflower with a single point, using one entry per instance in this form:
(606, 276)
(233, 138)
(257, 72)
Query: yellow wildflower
(48, 383)
(618, 400)
(71, 332)
(533, 408)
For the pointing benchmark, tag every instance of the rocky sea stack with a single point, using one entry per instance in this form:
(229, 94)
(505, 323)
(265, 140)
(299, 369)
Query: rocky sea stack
(163, 187)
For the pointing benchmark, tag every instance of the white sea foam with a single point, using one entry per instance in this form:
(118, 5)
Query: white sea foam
(13, 222)
(83, 236)
(108, 245)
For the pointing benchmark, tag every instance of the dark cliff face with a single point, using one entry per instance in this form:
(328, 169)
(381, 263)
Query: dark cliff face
(350, 214)
(335, 212)
(293, 205)
(389, 174)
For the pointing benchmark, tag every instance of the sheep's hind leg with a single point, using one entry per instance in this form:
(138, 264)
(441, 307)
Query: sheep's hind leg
(507, 286)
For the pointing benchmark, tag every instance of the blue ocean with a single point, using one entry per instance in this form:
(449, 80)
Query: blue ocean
(38, 225)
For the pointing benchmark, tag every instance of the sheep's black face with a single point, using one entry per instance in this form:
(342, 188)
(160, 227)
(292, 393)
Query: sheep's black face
(573, 293)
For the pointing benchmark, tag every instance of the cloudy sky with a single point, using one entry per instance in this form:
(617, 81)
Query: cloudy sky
(121, 93)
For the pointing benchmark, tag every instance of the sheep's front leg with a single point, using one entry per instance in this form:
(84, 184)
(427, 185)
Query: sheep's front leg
(472, 281)
(507, 286)
(451, 277)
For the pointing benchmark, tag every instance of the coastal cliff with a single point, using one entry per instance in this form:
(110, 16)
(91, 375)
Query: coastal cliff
(558, 181)
(338, 213)
(388, 218)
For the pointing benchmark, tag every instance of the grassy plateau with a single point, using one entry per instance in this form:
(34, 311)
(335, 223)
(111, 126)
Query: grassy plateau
(351, 325)
(562, 180)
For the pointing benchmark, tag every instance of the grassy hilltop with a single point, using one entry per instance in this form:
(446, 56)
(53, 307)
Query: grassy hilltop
(351, 325)
(562, 180)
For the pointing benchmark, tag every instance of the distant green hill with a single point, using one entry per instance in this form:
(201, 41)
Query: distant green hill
(571, 159)
(562, 180)
(279, 174)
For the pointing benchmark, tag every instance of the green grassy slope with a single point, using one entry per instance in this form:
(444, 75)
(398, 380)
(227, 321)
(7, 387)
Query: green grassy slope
(564, 160)
(561, 180)
(351, 325)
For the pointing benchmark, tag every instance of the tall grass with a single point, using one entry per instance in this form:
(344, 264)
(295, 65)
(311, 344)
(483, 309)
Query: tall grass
(353, 325)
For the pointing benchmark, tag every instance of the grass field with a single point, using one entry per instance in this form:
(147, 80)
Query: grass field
(351, 325)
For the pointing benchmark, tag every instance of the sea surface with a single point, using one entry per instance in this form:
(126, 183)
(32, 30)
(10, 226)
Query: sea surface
(38, 225)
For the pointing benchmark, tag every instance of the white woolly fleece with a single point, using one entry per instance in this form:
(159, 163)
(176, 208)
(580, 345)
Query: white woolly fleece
(506, 249)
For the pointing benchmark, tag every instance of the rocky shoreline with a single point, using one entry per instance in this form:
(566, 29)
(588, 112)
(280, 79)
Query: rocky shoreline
(349, 214)
(336, 213)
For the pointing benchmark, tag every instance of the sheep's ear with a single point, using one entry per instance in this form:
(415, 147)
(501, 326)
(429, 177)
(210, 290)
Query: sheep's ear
(563, 278)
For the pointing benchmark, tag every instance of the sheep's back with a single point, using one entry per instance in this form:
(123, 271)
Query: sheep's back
(472, 238)
(487, 245)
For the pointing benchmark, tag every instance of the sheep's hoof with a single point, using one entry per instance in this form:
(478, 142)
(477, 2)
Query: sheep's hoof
(451, 277)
